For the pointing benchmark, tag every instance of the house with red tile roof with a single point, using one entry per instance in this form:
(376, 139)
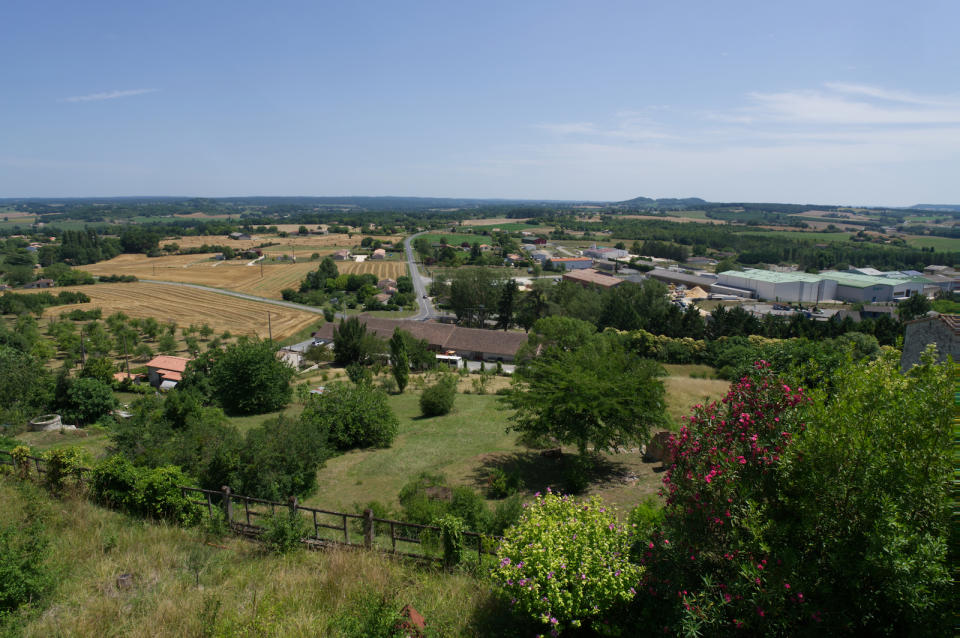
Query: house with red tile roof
(167, 370)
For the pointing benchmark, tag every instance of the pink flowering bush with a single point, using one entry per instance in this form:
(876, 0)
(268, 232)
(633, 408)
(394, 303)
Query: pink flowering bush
(566, 562)
(710, 562)
(793, 516)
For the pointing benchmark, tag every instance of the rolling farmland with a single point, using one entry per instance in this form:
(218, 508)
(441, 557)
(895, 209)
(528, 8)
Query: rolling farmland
(185, 306)
(233, 275)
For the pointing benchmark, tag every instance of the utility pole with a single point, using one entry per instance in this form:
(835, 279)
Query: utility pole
(126, 359)
(83, 357)
(261, 267)
(269, 327)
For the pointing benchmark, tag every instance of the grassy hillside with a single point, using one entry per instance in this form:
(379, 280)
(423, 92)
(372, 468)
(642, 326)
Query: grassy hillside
(186, 584)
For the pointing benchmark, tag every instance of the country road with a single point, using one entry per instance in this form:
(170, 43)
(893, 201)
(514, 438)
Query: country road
(425, 307)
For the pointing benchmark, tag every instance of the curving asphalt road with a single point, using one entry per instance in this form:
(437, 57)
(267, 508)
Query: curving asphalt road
(425, 307)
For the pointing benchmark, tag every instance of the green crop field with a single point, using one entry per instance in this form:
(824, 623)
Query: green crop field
(455, 239)
(800, 234)
(943, 244)
(514, 227)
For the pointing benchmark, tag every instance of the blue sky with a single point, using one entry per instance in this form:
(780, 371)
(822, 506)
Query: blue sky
(843, 102)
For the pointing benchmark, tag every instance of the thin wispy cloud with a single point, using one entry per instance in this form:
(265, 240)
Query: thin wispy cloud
(108, 95)
(835, 140)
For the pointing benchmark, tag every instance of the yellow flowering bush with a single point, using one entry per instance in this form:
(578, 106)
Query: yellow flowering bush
(566, 561)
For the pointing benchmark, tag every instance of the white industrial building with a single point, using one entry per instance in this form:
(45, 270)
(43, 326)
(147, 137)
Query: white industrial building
(779, 286)
(870, 288)
(828, 285)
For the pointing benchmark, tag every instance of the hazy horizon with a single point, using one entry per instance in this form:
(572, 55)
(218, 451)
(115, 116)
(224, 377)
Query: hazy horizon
(833, 103)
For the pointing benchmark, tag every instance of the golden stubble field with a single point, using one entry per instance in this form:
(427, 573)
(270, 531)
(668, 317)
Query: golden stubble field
(306, 242)
(236, 275)
(186, 306)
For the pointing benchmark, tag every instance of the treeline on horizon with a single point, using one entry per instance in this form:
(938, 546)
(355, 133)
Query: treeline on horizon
(750, 248)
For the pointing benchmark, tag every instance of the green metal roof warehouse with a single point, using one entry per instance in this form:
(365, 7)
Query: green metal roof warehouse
(813, 288)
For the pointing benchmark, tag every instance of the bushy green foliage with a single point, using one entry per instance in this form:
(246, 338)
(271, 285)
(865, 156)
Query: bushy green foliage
(565, 563)
(280, 458)
(86, 401)
(283, 530)
(247, 378)
(152, 493)
(784, 514)
(501, 483)
(437, 399)
(61, 464)
(24, 577)
(353, 415)
(352, 343)
(25, 386)
(596, 392)
(427, 498)
(359, 374)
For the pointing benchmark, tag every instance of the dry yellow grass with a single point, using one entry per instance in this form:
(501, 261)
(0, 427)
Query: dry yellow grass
(234, 274)
(185, 584)
(185, 306)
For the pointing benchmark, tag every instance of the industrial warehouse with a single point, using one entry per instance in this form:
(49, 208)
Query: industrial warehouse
(828, 285)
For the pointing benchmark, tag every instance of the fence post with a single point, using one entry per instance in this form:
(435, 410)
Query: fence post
(227, 504)
(368, 528)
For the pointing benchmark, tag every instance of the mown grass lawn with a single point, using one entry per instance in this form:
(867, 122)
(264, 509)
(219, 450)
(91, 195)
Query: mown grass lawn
(464, 446)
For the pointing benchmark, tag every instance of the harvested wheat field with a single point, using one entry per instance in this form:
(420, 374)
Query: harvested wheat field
(185, 306)
(382, 269)
(306, 241)
(267, 281)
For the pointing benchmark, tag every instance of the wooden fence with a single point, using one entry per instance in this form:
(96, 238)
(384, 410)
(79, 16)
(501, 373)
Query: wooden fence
(329, 528)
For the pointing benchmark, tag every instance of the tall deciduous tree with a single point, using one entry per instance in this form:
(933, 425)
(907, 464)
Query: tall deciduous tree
(247, 378)
(598, 393)
(475, 295)
(507, 304)
(352, 343)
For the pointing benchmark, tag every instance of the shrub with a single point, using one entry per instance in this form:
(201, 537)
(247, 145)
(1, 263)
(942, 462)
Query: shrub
(23, 576)
(359, 374)
(355, 416)
(783, 513)
(501, 484)
(282, 531)
(157, 495)
(153, 493)
(113, 481)
(565, 562)
(437, 399)
(60, 464)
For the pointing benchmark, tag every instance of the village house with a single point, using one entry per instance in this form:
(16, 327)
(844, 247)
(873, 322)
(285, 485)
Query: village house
(40, 283)
(590, 277)
(383, 284)
(240, 236)
(164, 371)
(342, 255)
(379, 253)
(474, 344)
(572, 263)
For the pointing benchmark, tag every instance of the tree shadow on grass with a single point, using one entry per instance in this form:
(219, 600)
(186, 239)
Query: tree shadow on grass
(538, 472)
(495, 617)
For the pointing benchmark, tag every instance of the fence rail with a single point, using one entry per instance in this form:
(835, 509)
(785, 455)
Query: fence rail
(391, 532)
